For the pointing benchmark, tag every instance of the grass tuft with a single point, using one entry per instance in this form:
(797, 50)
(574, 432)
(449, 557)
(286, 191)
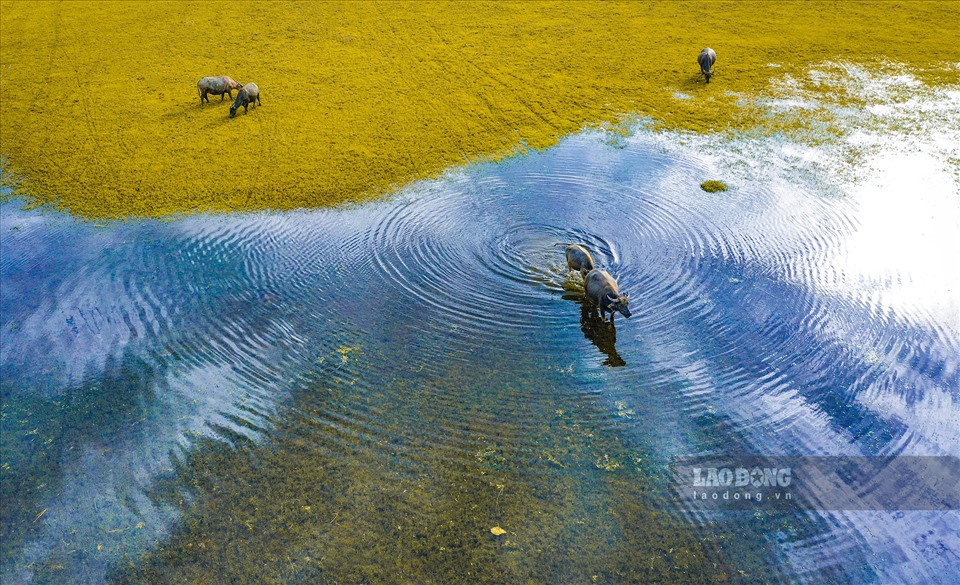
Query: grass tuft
(713, 186)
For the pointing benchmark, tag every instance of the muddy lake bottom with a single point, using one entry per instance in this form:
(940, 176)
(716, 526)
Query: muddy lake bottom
(363, 394)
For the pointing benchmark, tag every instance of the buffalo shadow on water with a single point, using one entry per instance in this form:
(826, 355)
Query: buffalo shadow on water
(597, 330)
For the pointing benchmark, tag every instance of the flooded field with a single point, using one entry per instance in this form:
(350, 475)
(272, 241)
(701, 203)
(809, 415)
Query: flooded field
(414, 391)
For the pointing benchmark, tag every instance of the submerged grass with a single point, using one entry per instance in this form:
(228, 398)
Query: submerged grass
(100, 114)
(332, 508)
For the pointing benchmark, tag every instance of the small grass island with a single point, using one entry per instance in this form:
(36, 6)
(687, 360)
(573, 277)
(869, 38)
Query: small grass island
(713, 186)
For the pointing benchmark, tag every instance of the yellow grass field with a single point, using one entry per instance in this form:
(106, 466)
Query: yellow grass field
(100, 116)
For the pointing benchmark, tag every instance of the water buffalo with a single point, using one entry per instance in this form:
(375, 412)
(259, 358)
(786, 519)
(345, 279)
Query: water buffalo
(248, 95)
(579, 259)
(706, 60)
(216, 85)
(602, 289)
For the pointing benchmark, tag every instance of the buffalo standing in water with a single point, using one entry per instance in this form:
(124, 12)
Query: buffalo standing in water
(579, 259)
(706, 60)
(216, 85)
(602, 289)
(248, 95)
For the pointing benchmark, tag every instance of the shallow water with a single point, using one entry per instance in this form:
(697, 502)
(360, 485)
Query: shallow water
(360, 395)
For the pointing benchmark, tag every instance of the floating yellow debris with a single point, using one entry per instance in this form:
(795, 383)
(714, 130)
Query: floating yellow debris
(345, 351)
(101, 116)
(553, 459)
(497, 531)
(607, 464)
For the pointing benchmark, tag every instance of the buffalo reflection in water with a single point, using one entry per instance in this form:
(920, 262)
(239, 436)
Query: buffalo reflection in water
(598, 331)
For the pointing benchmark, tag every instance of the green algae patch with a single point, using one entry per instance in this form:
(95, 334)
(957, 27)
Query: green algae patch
(713, 186)
(100, 112)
